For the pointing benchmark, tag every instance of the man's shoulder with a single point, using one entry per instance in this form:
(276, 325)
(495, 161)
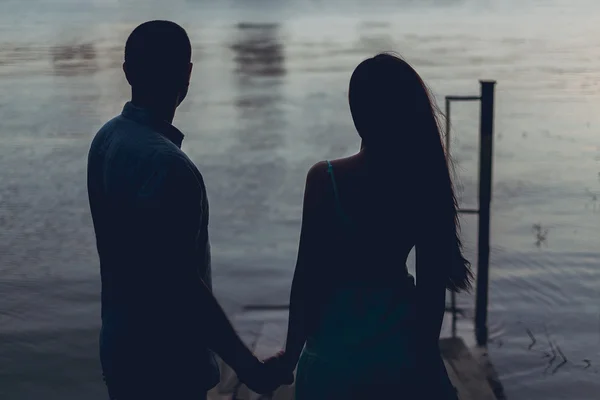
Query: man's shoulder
(129, 136)
(124, 140)
(108, 129)
(116, 123)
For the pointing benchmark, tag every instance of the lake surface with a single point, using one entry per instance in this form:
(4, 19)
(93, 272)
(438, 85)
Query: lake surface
(267, 100)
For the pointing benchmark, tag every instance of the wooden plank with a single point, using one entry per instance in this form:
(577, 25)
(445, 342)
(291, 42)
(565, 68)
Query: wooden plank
(482, 357)
(456, 381)
(466, 374)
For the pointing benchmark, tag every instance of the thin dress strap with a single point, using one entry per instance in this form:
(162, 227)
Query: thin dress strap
(338, 204)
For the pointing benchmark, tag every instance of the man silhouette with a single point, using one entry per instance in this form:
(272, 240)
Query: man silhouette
(160, 321)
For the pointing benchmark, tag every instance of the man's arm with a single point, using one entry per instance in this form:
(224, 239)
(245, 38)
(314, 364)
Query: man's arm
(174, 215)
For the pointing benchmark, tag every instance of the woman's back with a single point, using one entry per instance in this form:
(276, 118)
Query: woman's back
(368, 301)
(368, 220)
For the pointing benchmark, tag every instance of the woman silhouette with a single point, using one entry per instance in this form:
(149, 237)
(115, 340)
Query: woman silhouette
(358, 324)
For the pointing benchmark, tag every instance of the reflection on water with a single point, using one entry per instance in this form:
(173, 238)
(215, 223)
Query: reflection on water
(259, 72)
(375, 37)
(15, 55)
(66, 59)
(69, 60)
(259, 51)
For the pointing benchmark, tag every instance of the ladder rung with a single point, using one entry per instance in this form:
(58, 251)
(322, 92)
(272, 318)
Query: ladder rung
(463, 98)
(266, 307)
(457, 310)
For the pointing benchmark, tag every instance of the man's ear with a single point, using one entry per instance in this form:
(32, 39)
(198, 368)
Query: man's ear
(126, 73)
(191, 66)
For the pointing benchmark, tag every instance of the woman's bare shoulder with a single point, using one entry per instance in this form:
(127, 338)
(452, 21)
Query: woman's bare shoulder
(318, 168)
(345, 161)
(317, 175)
(316, 181)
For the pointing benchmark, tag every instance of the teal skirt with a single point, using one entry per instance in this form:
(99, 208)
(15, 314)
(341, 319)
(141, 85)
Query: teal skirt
(317, 379)
(365, 348)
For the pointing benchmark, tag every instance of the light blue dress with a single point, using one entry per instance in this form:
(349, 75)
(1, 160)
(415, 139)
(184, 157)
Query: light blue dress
(365, 342)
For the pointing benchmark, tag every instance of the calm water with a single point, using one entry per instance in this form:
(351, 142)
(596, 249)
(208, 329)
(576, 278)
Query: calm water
(267, 100)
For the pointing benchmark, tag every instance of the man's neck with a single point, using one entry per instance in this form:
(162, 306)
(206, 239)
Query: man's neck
(164, 110)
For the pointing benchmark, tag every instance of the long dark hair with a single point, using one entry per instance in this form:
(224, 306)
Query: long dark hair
(396, 117)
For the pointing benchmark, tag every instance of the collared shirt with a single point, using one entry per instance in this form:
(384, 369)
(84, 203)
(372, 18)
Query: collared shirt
(150, 214)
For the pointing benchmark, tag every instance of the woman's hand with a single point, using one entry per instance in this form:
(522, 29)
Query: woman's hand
(280, 368)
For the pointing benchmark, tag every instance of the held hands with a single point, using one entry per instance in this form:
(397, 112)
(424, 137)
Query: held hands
(279, 368)
(265, 377)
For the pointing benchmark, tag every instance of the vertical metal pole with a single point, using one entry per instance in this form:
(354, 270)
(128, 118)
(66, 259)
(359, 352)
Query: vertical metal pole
(447, 126)
(485, 197)
(452, 294)
(453, 301)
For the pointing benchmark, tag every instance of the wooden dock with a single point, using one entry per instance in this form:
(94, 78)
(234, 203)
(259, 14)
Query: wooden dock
(264, 331)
